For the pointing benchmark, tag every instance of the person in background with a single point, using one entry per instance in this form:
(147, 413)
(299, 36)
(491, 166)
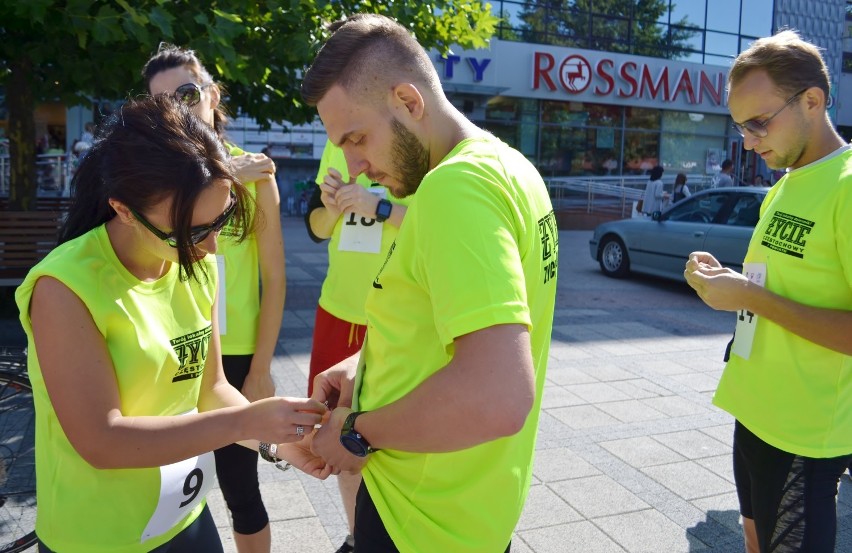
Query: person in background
(725, 178)
(655, 195)
(249, 321)
(788, 377)
(681, 190)
(758, 180)
(459, 316)
(360, 220)
(128, 384)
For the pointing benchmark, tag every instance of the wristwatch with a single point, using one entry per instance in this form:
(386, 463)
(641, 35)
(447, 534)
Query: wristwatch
(383, 210)
(354, 442)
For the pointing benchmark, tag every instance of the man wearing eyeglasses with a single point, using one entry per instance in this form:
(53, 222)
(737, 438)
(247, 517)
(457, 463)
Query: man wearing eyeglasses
(788, 378)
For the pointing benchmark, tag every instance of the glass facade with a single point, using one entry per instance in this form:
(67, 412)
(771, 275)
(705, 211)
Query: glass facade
(585, 139)
(581, 138)
(701, 31)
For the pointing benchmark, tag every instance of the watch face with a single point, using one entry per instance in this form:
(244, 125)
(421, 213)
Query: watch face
(353, 445)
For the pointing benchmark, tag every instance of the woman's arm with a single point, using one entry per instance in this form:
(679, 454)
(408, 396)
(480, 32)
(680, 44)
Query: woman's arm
(270, 246)
(80, 379)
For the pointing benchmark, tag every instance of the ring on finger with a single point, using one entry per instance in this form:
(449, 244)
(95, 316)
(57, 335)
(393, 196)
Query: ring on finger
(300, 430)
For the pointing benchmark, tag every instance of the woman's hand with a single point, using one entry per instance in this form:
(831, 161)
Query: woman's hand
(252, 167)
(283, 419)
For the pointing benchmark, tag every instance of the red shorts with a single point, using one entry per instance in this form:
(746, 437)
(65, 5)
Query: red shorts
(334, 341)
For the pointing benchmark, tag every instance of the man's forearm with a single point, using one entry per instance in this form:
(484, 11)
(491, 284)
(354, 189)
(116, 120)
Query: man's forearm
(486, 392)
(322, 222)
(830, 328)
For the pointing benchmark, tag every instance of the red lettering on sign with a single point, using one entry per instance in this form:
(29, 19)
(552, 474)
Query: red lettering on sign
(654, 87)
(715, 91)
(603, 73)
(544, 63)
(629, 79)
(684, 84)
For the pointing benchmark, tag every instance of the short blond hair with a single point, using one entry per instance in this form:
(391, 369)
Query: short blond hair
(792, 63)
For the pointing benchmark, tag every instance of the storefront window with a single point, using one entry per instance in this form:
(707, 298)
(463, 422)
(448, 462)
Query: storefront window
(572, 151)
(641, 152)
(687, 138)
(642, 118)
(610, 34)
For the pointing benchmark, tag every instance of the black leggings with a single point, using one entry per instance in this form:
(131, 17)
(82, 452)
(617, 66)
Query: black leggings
(236, 466)
(791, 498)
(201, 535)
(370, 533)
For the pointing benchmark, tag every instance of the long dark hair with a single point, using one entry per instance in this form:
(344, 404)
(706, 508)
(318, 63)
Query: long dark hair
(169, 56)
(150, 150)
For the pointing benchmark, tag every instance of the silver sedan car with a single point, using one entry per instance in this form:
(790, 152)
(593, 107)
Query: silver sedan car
(719, 221)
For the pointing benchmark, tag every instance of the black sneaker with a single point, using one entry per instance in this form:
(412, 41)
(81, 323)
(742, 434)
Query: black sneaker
(346, 547)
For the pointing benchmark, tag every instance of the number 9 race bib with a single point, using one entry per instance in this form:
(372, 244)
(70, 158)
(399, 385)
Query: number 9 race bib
(183, 486)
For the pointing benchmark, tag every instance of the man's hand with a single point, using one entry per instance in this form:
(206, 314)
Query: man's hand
(357, 199)
(299, 455)
(258, 385)
(252, 167)
(331, 183)
(326, 443)
(719, 287)
(334, 386)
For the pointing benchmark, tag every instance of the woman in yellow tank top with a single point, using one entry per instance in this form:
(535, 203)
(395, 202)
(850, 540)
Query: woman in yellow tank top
(249, 321)
(124, 348)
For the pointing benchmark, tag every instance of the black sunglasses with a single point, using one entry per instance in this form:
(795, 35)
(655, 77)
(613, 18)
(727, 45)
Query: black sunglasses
(189, 93)
(760, 129)
(196, 234)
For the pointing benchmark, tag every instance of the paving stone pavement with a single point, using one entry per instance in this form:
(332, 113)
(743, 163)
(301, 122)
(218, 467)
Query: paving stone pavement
(631, 455)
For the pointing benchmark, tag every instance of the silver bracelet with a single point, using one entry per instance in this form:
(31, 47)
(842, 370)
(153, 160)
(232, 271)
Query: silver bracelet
(269, 452)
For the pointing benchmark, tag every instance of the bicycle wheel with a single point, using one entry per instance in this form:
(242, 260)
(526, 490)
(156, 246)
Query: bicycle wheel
(17, 464)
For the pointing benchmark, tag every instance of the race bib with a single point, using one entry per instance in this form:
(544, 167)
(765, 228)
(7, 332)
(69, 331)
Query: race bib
(746, 320)
(183, 486)
(222, 311)
(360, 234)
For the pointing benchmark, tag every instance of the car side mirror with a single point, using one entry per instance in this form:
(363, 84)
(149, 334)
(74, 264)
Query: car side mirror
(657, 215)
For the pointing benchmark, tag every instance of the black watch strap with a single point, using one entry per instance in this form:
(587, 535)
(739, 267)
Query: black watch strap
(383, 210)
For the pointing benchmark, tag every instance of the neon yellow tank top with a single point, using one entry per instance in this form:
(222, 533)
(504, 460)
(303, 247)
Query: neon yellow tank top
(157, 335)
(239, 309)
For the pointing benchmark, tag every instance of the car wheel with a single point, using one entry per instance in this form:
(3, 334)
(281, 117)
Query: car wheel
(613, 258)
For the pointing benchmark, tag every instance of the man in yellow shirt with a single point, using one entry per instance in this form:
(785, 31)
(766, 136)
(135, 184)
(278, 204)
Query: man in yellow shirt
(446, 396)
(788, 380)
(360, 221)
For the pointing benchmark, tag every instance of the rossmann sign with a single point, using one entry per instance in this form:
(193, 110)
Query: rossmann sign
(555, 73)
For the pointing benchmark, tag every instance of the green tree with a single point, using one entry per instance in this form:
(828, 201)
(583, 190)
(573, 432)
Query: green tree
(612, 25)
(75, 50)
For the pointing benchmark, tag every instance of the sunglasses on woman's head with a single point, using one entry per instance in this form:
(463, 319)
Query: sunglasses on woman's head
(189, 93)
(196, 234)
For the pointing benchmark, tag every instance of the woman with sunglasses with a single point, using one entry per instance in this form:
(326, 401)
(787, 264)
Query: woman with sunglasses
(250, 321)
(123, 345)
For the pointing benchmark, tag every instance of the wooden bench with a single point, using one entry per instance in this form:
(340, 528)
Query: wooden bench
(43, 203)
(25, 238)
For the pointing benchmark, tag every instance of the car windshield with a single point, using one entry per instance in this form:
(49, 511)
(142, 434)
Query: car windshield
(699, 208)
(745, 212)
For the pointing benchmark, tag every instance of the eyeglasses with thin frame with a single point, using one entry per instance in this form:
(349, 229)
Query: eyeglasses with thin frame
(760, 129)
(189, 93)
(196, 234)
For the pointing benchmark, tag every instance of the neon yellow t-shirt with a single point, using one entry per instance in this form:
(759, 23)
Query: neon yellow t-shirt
(350, 273)
(157, 335)
(479, 248)
(790, 392)
(239, 309)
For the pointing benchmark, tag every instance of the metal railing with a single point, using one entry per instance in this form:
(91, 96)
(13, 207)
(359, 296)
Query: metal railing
(610, 195)
(53, 174)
